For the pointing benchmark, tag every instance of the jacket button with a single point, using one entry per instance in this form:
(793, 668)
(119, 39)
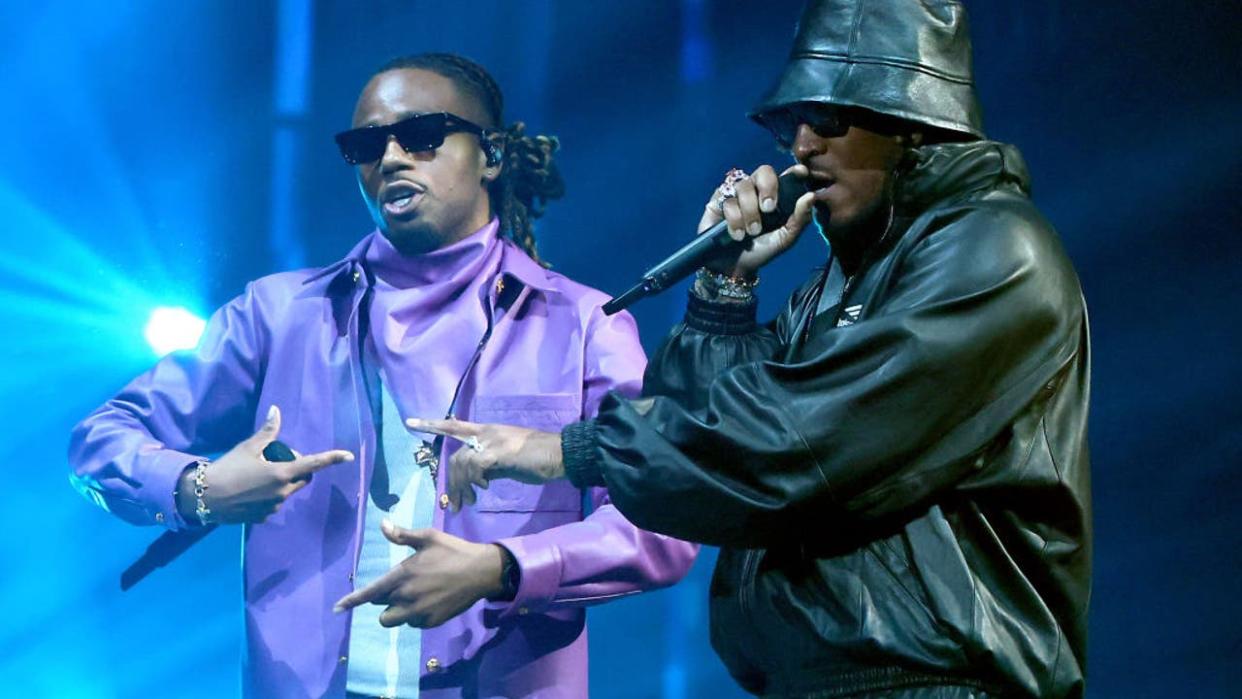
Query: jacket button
(357, 276)
(433, 665)
(444, 501)
(344, 659)
(159, 517)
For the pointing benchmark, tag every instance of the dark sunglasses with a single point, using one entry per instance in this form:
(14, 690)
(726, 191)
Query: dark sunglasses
(825, 120)
(416, 134)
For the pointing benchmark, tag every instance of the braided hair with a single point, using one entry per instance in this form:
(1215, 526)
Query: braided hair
(529, 178)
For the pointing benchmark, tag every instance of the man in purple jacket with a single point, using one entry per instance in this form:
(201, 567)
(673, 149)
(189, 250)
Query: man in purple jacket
(441, 311)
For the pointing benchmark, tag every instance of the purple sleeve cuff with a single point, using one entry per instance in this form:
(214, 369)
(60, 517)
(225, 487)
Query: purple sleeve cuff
(159, 472)
(541, 566)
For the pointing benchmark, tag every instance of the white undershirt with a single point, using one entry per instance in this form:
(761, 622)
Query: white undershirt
(387, 662)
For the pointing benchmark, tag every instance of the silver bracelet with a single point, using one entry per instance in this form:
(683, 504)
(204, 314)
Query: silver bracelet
(200, 489)
(717, 285)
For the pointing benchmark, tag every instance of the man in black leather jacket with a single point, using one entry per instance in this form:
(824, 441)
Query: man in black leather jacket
(895, 468)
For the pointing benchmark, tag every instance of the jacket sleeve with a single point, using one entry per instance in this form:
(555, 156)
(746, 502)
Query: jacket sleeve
(877, 417)
(128, 455)
(604, 556)
(714, 338)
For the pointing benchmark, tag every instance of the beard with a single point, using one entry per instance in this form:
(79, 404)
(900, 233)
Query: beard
(851, 239)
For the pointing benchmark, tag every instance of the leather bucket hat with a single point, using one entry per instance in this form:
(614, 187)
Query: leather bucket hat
(909, 59)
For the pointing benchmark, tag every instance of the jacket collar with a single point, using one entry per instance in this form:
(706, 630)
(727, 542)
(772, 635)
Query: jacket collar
(930, 174)
(351, 270)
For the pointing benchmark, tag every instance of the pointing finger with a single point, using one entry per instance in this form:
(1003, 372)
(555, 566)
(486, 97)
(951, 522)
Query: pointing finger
(456, 429)
(307, 465)
(376, 590)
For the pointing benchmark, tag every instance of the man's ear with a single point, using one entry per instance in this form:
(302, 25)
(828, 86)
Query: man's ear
(491, 174)
(493, 157)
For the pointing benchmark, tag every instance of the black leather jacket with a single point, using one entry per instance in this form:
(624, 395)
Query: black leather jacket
(896, 468)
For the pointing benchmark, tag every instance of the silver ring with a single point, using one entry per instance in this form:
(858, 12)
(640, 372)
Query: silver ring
(728, 188)
(473, 442)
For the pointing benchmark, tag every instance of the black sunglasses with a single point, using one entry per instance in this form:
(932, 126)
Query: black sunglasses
(416, 134)
(827, 121)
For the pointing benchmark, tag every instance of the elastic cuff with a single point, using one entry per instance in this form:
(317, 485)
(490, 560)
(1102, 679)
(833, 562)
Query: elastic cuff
(721, 317)
(578, 445)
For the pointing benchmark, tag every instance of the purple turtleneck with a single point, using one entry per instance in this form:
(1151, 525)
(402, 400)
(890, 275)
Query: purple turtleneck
(428, 314)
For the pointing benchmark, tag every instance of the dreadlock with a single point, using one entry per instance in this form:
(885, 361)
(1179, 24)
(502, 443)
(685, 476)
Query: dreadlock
(529, 178)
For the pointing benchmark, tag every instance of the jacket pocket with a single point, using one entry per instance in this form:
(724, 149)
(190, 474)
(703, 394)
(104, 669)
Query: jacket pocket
(547, 412)
(891, 557)
(900, 605)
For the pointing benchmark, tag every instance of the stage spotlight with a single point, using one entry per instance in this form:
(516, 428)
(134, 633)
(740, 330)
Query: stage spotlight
(172, 329)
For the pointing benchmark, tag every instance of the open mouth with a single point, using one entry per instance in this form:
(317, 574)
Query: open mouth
(819, 184)
(400, 198)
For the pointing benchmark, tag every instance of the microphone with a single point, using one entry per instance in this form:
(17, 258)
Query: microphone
(712, 243)
(170, 544)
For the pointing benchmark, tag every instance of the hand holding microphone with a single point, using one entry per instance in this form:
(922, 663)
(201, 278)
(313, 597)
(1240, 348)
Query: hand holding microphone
(248, 485)
(738, 234)
(756, 196)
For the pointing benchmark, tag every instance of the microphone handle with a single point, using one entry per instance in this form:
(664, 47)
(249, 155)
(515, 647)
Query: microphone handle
(713, 243)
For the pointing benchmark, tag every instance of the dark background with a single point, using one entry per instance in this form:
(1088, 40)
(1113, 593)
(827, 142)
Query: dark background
(163, 154)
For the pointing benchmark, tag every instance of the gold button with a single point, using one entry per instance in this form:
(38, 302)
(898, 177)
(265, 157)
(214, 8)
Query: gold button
(433, 665)
(500, 284)
(344, 659)
(444, 500)
(159, 517)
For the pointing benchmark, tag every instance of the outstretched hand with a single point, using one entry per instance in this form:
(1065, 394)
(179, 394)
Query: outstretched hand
(492, 451)
(244, 487)
(443, 578)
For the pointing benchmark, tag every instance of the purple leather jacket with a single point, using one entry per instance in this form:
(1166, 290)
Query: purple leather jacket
(292, 340)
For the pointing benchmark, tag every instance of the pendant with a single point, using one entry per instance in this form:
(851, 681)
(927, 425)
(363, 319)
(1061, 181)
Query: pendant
(425, 456)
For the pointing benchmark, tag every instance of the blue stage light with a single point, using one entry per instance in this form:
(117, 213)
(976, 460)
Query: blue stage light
(172, 329)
